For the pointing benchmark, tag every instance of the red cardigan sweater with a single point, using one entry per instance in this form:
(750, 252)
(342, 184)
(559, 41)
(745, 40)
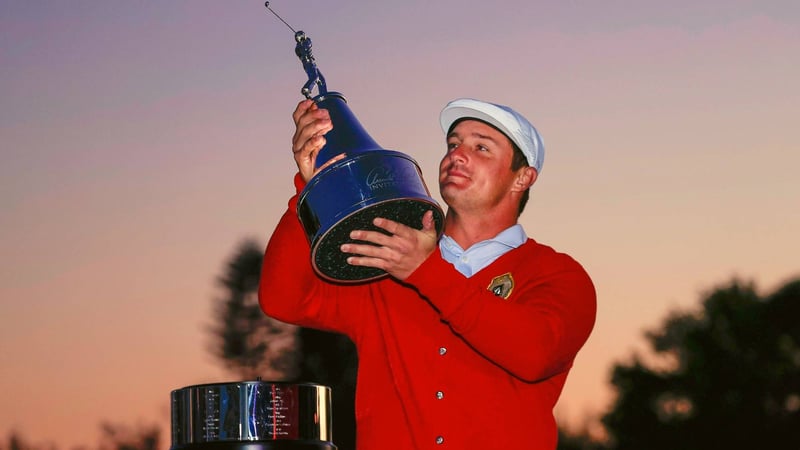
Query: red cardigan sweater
(443, 362)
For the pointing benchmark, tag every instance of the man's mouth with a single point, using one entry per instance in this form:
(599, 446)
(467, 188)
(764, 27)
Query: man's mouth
(455, 172)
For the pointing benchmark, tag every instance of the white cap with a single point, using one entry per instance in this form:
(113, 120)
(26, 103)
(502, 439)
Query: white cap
(505, 119)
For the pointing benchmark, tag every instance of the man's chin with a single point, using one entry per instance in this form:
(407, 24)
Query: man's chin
(451, 190)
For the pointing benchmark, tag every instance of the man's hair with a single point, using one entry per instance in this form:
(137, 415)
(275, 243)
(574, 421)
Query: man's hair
(518, 161)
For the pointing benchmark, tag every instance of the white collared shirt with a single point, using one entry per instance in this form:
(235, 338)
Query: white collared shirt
(483, 253)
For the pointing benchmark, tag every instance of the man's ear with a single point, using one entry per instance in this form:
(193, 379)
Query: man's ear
(526, 176)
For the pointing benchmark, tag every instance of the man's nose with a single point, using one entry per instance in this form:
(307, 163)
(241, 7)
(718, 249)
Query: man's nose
(458, 154)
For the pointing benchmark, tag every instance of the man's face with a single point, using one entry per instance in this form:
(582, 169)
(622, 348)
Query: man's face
(475, 173)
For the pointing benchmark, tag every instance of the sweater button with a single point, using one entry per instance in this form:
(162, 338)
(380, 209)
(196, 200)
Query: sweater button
(439, 395)
(439, 440)
(442, 350)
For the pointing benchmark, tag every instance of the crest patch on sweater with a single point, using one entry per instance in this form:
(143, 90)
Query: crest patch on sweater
(502, 285)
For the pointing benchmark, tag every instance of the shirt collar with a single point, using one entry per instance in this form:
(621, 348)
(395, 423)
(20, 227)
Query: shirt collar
(481, 254)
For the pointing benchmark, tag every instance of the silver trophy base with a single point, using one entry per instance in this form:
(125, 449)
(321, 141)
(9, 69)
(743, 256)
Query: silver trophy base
(252, 415)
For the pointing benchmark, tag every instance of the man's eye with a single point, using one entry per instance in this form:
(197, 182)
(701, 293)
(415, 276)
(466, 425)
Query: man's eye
(482, 148)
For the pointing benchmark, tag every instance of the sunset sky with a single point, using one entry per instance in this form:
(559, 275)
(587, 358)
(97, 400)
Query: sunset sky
(141, 142)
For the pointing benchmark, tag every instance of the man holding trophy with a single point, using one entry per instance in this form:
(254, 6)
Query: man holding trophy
(467, 340)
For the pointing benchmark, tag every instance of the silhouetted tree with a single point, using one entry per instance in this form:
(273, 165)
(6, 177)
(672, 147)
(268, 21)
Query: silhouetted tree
(725, 377)
(120, 437)
(248, 342)
(577, 441)
(16, 442)
(252, 344)
(113, 437)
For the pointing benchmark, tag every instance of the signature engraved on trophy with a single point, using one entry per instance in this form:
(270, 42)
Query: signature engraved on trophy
(383, 177)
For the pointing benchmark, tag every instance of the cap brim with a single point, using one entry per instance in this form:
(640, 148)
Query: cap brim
(455, 113)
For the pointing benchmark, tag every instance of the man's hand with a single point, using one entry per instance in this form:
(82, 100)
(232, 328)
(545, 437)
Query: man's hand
(400, 253)
(311, 124)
